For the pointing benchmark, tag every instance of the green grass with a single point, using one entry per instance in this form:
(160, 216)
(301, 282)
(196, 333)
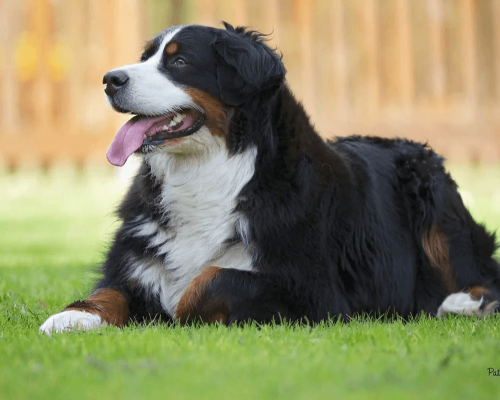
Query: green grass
(54, 230)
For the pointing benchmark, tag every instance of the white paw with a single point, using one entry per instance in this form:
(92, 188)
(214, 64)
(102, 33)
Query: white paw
(460, 303)
(71, 320)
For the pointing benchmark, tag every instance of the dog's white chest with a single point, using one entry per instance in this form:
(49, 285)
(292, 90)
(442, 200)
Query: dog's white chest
(199, 201)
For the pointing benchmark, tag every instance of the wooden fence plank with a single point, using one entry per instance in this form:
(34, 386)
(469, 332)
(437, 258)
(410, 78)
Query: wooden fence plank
(485, 51)
(371, 45)
(41, 16)
(437, 53)
(303, 19)
(389, 56)
(76, 84)
(204, 12)
(405, 54)
(239, 12)
(469, 61)
(357, 70)
(496, 49)
(420, 45)
(323, 60)
(10, 28)
(453, 50)
(339, 69)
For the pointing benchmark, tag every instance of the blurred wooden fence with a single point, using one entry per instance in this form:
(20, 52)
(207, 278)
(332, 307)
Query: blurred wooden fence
(53, 55)
(424, 69)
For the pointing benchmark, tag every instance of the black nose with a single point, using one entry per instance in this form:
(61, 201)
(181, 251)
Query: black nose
(114, 80)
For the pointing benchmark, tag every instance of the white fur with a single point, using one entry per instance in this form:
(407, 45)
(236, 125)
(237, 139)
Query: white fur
(160, 239)
(146, 229)
(150, 92)
(462, 303)
(200, 183)
(71, 320)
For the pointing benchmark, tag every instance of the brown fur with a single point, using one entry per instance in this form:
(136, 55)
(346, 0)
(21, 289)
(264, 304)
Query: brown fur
(435, 244)
(488, 306)
(172, 48)
(174, 142)
(195, 303)
(148, 46)
(215, 112)
(477, 292)
(111, 305)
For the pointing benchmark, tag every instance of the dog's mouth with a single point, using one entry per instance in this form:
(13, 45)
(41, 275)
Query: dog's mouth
(143, 131)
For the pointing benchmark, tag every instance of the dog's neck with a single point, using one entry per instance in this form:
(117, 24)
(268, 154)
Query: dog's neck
(280, 125)
(293, 123)
(202, 173)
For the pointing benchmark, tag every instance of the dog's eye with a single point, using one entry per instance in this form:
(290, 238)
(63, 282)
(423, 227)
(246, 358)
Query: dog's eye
(179, 62)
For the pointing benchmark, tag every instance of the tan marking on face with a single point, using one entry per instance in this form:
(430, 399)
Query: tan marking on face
(196, 303)
(111, 305)
(149, 45)
(435, 244)
(216, 114)
(172, 48)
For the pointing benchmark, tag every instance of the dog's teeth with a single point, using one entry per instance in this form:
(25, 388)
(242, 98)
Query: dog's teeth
(176, 119)
(165, 127)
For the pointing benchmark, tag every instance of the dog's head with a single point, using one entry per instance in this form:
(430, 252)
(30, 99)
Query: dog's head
(189, 78)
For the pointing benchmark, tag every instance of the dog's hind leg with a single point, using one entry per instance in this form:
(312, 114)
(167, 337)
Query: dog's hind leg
(103, 307)
(226, 296)
(478, 300)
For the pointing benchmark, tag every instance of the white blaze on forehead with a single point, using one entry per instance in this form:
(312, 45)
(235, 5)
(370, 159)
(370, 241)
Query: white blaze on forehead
(149, 91)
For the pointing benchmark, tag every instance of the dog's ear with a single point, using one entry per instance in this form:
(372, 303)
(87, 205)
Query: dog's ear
(246, 66)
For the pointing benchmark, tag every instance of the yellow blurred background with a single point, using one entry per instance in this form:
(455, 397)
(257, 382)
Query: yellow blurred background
(424, 69)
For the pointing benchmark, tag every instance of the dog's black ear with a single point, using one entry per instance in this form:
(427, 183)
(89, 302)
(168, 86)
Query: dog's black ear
(246, 66)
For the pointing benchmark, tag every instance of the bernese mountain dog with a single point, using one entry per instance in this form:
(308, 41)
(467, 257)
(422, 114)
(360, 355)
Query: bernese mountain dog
(241, 211)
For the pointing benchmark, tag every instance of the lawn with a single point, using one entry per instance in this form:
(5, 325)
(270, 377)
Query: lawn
(54, 231)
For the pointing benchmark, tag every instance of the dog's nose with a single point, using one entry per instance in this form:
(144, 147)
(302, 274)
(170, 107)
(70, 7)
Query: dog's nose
(114, 80)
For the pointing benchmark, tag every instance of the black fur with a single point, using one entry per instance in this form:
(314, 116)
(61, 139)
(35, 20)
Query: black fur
(246, 67)
(337, 226)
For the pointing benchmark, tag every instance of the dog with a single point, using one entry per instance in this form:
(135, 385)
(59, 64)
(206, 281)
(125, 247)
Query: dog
(241, 211)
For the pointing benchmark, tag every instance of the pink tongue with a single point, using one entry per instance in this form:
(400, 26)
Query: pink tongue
(129, 138)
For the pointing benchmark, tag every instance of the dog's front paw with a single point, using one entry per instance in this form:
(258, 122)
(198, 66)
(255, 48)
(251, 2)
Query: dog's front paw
(71, 320)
